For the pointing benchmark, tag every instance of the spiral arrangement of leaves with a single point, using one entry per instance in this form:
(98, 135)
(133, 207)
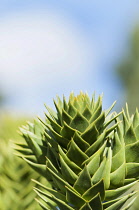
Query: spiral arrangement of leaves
(88, 156)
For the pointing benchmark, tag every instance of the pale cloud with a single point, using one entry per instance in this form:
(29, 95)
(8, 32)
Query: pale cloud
(42, 53)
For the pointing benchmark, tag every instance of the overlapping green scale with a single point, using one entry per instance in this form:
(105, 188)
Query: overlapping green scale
(88, 156)
(131, 140)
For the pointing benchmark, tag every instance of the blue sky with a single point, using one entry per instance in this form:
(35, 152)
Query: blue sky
(54, 47)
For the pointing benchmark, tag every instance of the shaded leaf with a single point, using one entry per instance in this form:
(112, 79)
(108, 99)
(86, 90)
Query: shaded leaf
(79, 122)
(75, 154)
(98, 188)
(83, 183)
(74, 198)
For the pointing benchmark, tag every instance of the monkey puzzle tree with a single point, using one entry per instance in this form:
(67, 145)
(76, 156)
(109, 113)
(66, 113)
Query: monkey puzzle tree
(87, 155)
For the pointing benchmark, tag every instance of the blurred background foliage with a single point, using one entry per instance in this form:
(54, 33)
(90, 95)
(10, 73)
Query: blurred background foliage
(128, 71)
(16, 187)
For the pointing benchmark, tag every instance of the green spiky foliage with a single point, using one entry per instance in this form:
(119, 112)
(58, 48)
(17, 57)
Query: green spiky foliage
(15, 175)
(130, 132)
(85, 154)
